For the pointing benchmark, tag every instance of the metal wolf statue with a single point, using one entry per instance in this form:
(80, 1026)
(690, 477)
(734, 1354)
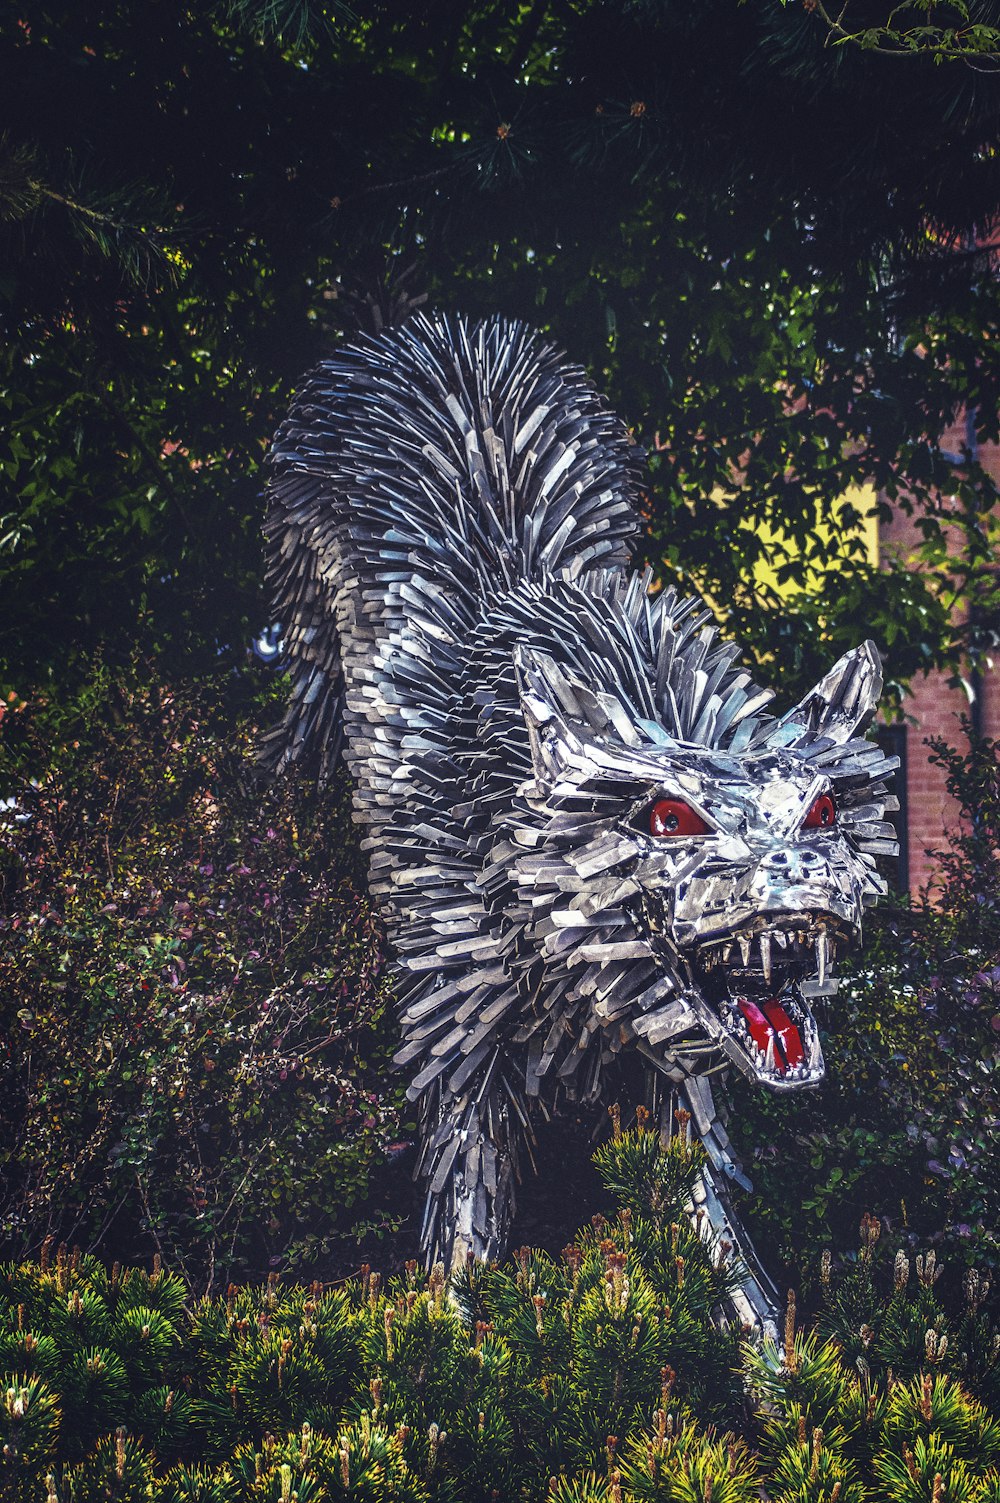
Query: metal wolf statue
(586, 832)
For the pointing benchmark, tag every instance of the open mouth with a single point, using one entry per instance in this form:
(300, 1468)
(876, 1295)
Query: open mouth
(757, 980)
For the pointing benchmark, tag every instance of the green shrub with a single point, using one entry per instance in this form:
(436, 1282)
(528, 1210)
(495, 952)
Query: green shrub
(29, 1430)
(894, 1388)
(596, 1377)
(547, 1367)
(191, 990)
(907, 1121)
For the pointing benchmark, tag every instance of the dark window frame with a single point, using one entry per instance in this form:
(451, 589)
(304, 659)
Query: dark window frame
(892, 739)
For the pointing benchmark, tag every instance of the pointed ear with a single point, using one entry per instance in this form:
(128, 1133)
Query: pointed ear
(841, 705)
(547, 699)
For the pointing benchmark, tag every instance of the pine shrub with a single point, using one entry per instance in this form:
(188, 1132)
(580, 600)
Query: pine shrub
(599, 1376)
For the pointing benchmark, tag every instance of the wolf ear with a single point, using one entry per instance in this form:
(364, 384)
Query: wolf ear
(841, 705)
(569, 720)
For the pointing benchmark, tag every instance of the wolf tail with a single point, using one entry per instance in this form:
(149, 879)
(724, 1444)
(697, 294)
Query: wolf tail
(419, 475)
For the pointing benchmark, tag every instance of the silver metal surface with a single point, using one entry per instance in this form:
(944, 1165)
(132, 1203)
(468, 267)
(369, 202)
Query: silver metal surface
(451, 509)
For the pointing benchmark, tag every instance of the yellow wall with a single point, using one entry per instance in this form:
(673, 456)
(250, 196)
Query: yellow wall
(862, 498)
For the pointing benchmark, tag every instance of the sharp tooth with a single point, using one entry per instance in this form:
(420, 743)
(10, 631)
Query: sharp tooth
(744, 943)
(727, 952)
(765, 955)
(822, 957)
(782, 938)
(769, 1056)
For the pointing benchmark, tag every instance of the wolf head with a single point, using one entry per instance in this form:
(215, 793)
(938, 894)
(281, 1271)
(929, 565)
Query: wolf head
(693, 890)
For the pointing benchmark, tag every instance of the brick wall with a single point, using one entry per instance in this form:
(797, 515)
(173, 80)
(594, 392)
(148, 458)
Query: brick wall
(935, 708)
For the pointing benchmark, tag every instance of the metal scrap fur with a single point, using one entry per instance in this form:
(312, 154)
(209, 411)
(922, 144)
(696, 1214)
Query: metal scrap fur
(586, 830)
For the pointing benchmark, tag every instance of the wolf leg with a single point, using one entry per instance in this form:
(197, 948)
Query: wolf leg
(754, 1302)
(470, 1167)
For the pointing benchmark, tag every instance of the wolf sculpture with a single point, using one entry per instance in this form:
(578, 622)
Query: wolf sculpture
(586, 832)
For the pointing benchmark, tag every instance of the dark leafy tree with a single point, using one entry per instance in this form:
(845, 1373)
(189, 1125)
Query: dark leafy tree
(778, 267)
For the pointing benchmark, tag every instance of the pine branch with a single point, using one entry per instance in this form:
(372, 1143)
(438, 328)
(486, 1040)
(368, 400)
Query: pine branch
(287, 23)
(122, 224)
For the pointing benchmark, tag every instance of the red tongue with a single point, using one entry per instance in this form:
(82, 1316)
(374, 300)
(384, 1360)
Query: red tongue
(773, 1023)
(788, 1034)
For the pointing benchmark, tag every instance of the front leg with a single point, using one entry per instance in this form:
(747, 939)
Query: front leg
(754, 1303)
(469, 1164)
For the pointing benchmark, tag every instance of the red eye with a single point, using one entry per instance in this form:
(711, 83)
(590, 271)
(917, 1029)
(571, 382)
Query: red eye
(669, 816)
(822, 815)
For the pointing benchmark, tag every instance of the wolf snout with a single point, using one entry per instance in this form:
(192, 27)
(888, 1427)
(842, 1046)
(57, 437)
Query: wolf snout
(791, 865)
(795, 878)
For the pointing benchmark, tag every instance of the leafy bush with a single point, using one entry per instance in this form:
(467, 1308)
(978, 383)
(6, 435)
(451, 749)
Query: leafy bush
(907, 1121)
(584, 1379)
(192, 991)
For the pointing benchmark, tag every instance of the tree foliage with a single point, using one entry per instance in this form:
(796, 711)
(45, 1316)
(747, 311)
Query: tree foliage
(593, 1377)
(766, 257)
(947, 32)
